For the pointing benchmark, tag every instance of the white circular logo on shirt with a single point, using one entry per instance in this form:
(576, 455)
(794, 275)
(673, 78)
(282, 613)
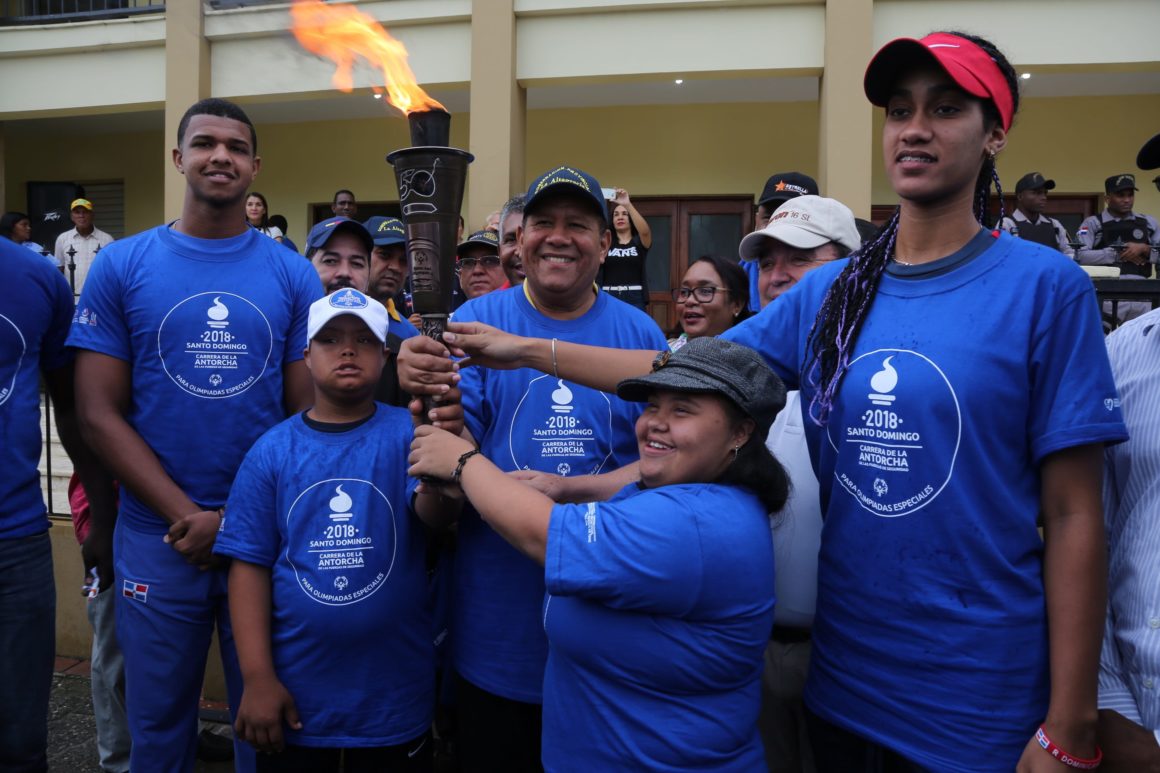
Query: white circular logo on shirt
(215, 344)
(340, 540)
(898, 434)
(554, 431)
(11, 340)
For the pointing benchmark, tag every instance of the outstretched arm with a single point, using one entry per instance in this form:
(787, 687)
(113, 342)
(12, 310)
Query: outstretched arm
(517, 512)
(426, 368)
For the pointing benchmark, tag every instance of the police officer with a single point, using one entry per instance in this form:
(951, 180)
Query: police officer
(1118, 236)
(1028, 221)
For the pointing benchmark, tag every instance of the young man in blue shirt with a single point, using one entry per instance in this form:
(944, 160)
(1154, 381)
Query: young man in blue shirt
(189, 339)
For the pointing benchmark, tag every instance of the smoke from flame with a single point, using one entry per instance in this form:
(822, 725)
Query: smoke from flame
(342, 33)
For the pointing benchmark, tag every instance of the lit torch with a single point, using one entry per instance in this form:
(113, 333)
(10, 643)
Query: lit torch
(431, 176)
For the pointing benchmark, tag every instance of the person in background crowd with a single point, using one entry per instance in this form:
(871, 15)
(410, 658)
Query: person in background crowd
(661, 597)
(779, 188)
(258, 216)
(713, 297)
(16, 227)
(805, 233)
(933, 550)
(107, 663)
(509, 252)
(340, 251)
(1119, 237)
(387, 274)
(1129, 725)
(190, 343)
(624, 274)
(478, 265)
(1029, 222)
(36, 306)
(279, 222)
(492, 222)
(337, 668)
(344, 204)
(523, 421)
(77, 248)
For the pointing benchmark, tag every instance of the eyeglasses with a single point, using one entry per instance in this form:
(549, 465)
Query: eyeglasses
(703, 294)
(488, 261)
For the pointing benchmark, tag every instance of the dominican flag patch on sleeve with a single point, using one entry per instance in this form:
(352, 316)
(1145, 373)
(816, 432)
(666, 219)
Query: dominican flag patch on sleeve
(135, 590)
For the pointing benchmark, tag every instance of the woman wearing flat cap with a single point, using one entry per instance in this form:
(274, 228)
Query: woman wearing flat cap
(958, 388)
(660, 599)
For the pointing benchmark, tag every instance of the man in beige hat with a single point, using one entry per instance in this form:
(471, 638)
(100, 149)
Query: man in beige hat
(77, 247)
(803, 233)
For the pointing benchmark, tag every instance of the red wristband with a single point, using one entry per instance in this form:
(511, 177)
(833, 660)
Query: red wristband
(1067, 759)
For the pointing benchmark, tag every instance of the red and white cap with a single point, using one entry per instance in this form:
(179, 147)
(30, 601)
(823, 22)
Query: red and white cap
(968, 65)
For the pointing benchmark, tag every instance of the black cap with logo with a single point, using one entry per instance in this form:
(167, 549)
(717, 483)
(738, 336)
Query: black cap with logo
(787, 185)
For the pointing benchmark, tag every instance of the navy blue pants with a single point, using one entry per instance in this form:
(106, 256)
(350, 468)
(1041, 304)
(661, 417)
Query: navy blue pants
(166, 613)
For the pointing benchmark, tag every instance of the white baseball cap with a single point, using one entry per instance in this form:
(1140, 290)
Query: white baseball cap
(805, 222)
(347, 301)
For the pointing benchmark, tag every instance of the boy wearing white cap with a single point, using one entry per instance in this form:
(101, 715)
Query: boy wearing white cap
(328, 582)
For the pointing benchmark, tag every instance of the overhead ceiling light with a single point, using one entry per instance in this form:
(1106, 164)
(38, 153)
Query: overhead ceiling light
(1025, 75)
(378, 96)
(679, 81)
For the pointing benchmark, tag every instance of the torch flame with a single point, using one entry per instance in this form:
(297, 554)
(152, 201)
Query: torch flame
(342, 33)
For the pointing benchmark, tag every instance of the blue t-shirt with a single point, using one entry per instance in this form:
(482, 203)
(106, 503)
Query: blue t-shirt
(931, 623)
(752, 270)
(401, 327)
(659, 610)
(329, 513)
(207, 326)
(35, 309)
(523, 419)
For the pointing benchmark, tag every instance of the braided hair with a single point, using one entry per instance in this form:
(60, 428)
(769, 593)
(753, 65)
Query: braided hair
(847, 303)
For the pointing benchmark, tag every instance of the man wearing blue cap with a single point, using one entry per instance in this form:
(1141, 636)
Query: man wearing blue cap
(340, 251)
(530, 422)
(387, 272)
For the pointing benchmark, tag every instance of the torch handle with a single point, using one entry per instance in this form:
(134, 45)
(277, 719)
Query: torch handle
(433, 327)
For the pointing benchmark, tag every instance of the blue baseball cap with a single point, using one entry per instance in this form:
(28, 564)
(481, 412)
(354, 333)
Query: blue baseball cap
(485, 237)
(320, 234)
(386, 231)
(563, 179)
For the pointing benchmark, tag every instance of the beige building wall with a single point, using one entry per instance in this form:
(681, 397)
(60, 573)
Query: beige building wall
(140, 159)
(1076, 141)
(660, 150)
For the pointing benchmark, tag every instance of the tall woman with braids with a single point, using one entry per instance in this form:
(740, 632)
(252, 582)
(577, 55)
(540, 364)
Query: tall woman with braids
(958, 388)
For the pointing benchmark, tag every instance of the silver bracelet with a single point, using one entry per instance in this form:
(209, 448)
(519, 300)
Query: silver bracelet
(555, 368)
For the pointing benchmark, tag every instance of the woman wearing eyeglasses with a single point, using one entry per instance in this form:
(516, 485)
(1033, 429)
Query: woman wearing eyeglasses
(479, 266)
(713, 297)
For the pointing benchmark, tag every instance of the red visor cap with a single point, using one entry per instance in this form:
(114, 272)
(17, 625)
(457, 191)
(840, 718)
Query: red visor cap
(969, 66)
